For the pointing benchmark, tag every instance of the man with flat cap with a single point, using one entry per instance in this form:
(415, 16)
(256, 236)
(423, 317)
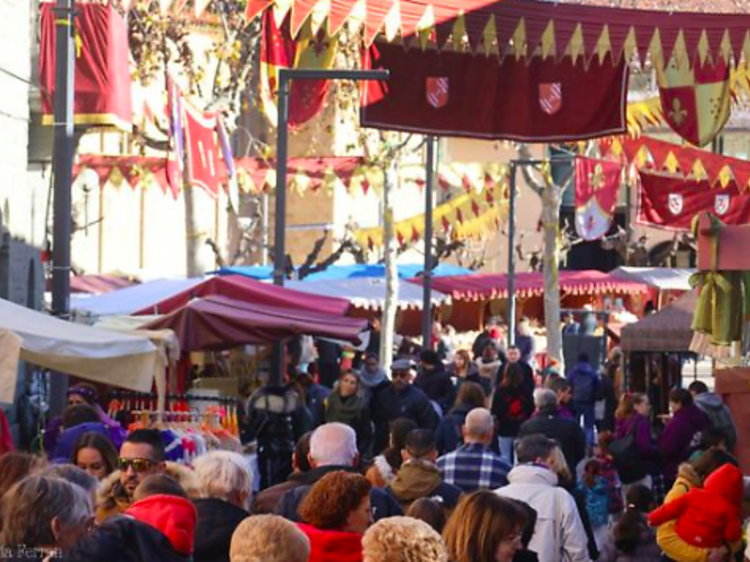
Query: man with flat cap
(399, 398)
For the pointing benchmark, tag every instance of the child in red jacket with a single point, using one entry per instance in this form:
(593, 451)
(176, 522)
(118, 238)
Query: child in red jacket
(707, 517)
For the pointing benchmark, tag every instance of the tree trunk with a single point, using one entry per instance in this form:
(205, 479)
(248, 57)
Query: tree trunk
(551, 202)
(388, 323)
(192, 257)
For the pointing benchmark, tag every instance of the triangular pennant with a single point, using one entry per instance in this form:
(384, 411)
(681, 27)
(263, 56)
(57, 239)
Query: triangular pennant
(253, 8)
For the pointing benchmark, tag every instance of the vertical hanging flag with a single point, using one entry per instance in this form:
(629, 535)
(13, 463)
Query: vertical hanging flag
(102, 69)
(597, 187)
(175, 165)
(203, 153)
(279, 50)
(696, 101)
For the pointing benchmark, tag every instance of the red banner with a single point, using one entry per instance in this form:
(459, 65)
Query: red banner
(453, 94)
(203, 150)
(670, 202)
(597, 187)
(102, 68)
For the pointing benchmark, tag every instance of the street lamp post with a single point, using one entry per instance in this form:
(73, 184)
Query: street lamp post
(282, 149)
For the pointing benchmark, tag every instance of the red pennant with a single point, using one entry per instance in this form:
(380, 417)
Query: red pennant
(415, 236)
(475, 208)
(459, 216)
(466, 183)
(446, 224)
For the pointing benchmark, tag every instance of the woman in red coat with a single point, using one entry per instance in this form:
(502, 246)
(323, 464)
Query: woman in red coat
(336, 513)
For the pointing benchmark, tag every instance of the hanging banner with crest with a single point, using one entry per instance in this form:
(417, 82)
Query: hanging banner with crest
(535, 100)
(672, 202)
(597, 187)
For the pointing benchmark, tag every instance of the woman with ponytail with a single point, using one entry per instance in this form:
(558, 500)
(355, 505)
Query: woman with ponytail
(631, 539)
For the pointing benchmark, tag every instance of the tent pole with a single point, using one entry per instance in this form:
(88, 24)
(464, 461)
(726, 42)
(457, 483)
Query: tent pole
(62, 166)
(428, 264)
(512, 255)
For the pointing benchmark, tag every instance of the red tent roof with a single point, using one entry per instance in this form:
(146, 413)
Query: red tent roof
(495, 286)
(254, 292)
(215, 323)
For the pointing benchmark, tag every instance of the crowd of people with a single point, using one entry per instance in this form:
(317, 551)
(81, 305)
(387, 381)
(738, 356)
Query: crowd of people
(460, 456)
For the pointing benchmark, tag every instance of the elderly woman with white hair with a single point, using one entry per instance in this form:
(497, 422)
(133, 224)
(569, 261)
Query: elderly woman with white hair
(225, 483)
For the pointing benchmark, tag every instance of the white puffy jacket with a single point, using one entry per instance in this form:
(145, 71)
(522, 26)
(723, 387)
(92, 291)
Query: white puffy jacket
(559, 535)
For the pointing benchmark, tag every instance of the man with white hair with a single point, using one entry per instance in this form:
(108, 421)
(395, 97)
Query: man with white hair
(225, 484)
(333, 446)
(547, 421)
(475, 466)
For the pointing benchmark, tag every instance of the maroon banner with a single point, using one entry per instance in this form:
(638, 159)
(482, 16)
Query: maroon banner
(459, 94)
(102, 75)
(670, 202)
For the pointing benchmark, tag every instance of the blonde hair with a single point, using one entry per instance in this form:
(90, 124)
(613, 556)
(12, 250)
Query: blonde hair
(268, 538)
(402, 539)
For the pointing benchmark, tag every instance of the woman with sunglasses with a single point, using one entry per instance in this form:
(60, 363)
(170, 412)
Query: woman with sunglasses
(95, 454)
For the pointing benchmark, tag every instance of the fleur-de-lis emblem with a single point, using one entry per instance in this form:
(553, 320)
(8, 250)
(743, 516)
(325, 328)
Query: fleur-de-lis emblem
(596, 178)
(678, 113)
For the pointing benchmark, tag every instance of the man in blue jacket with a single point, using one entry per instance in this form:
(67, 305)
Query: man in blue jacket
(585, 382)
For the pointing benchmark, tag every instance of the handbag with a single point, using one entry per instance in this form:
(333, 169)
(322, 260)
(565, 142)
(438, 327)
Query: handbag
(627, 458)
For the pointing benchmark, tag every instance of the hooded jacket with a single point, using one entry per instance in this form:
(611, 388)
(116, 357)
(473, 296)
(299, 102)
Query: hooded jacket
(710, 516)
(123, 539)
(113, 500)
(678, 435)
(172, 515)
(332, 546)
(585, 382)
(719, 415)
(666, 536)
(558, 533)
(217, 521)
(437, 385)
(418, 479)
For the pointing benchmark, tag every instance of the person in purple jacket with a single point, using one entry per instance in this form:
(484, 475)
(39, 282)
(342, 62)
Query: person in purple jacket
(682, 432)
(632, 415)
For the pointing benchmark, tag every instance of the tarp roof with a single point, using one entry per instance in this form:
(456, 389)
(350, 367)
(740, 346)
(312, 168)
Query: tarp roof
(98, 284)
(341, 272)
(666, 330)
(249, 291)
(90, 353)
(124, 302)
(369, 293)
(533, 27)
(216, 322)
(495, 286)
(663, 278)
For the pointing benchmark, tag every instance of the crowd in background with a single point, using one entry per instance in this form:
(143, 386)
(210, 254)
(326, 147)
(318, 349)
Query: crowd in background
(452, 455)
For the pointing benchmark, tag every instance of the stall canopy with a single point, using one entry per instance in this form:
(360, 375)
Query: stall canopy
(89, 353)
(668, 330)
(99, 284)
(662, 278)
(495, 286)
(251, 291)
(369, 293)
(217, 322)
(126, 301)
(344, 272)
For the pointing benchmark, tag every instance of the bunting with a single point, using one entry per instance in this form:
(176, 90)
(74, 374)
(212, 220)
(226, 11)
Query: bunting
(649, 154)
(135, 170)
(529, 28)
(471, 215)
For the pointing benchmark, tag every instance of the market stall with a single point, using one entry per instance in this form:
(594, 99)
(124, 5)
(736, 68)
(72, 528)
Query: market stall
(127, 361)
(215, 323)
(668, 284)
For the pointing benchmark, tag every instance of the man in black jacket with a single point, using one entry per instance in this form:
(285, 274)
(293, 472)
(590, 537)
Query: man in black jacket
(435, 381)
(547, 421)
(399, 398)
(333, 446)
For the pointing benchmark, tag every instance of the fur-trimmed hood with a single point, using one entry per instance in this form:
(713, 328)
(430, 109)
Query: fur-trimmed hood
(112, 498)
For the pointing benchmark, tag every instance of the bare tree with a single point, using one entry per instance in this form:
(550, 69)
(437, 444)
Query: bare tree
(540, 180)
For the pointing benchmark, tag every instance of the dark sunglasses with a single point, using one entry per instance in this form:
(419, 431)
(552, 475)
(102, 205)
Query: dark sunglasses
(401, 375)
(139, 465)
